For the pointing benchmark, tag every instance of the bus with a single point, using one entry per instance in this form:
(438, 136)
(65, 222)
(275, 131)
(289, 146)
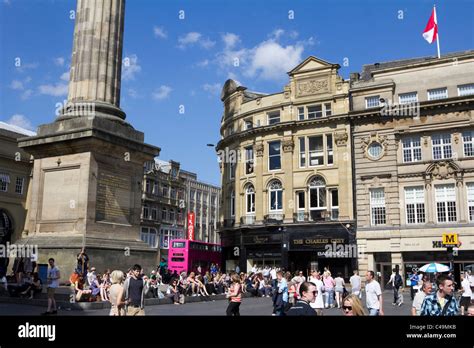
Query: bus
(187, 255)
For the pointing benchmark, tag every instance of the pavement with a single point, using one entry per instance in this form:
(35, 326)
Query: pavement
(253, 306)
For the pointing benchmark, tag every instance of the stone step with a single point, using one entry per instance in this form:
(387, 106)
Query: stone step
(62, 301)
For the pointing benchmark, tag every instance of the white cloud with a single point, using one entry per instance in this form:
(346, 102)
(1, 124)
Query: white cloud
(230, 40)
(270, 60)
(293, 34)
(59, 61)
(28, 66)
(161, 93)
(213, 89)
(207, 43)
(26, 94)
(130, 67)
(189, 38)
(65, 76)
(203, 63)
(193, 38)
(56, 90)
(17, 85)
(132, 93)
(20, 121)
(160, 32)
(276, 34)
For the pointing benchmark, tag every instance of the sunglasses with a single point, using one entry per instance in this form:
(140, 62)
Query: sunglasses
(346, 308)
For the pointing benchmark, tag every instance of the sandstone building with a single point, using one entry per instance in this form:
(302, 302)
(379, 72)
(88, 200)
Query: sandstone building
(287, 194)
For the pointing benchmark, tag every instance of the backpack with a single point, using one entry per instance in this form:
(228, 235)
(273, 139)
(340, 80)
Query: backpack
(398, 281)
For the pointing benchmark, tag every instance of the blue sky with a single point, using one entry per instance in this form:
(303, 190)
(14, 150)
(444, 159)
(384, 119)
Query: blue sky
(173, 61)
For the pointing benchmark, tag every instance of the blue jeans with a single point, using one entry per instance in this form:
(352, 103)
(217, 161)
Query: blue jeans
(373, 311)
(329, 297)
(280, 310)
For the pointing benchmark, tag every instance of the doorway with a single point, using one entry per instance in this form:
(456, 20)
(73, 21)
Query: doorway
(384, 271)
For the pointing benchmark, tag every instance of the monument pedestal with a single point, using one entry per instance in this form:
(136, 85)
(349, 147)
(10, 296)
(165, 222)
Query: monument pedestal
(86, 190)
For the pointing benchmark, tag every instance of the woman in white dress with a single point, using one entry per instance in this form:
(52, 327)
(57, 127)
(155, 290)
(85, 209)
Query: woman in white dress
(318, 303)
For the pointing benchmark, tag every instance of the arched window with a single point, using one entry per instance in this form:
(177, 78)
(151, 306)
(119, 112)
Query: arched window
(164, 214)
(250, 199)
(317, 193)
(5, 227)
(275, 196)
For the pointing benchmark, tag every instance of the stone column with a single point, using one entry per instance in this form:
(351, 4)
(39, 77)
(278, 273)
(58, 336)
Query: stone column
(288, 146)
(258, 167)
(88, 167)
(460, 201)
(431, 203)
(342, 158)
(96, 60)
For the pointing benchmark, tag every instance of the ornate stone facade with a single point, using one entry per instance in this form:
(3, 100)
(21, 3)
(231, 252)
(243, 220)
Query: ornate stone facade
(416, 183)
(292, 137)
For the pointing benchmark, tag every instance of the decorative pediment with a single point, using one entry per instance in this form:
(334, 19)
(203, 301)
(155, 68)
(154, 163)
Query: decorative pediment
(312, 86)
(311, 64)
(441, 170)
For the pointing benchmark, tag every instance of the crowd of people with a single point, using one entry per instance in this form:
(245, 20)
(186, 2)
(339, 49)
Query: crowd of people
(291, 293)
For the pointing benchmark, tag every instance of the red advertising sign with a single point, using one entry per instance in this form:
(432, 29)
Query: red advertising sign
(191, 219)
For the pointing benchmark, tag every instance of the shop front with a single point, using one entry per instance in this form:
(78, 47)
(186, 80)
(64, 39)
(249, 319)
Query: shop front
(318, 247)
(300, 247)
(248, 247)
(413, 261)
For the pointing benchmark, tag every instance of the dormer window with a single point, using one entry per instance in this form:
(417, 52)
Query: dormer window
(372, 102)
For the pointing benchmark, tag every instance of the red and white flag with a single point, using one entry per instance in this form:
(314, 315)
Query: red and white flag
(431, 31)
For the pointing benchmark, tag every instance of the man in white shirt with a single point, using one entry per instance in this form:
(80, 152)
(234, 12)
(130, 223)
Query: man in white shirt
(318, 304)
(273, 274)
(266, 272)
(420, 297)
(355, 284)
(373, 295)
(53, 284)
(471, 281)
(466, 293)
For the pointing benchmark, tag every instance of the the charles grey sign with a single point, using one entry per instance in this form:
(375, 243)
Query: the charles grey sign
(37, 331)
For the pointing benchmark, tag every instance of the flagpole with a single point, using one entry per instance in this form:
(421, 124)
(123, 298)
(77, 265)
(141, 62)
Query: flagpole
(437, 28)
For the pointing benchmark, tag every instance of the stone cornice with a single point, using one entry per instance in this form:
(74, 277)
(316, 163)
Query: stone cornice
(253, 132)
(425, 108)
